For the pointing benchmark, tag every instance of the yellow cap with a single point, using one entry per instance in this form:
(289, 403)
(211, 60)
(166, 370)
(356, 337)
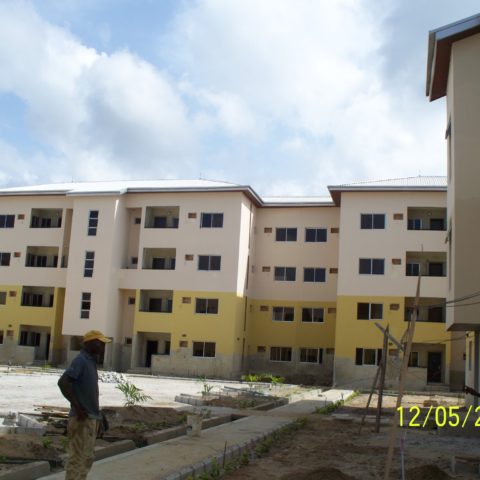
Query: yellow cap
(95, 335)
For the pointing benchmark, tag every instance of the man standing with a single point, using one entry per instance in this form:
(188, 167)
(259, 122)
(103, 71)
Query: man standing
(79, 385)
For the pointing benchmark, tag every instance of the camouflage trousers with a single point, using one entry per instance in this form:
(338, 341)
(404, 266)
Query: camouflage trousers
(81, 445)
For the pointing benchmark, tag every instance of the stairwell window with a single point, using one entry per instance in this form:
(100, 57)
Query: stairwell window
(371, 266)
(92, 223)
(209, 262)
(88, 266)
(211, 220)
(85, 305)
(372, 221)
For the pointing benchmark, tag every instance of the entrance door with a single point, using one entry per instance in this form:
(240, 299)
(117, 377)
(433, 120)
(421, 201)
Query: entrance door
(152, 349)
(434, 367)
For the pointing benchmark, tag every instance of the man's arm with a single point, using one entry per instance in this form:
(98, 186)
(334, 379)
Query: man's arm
(65, 385)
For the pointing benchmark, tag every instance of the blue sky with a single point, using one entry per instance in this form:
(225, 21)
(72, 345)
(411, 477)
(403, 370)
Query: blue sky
(287, 96)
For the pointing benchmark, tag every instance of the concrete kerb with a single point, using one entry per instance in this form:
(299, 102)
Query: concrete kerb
(30, 471)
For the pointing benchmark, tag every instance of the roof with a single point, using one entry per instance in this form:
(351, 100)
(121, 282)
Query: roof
(312, 201)
(439, 48)
(130, 186)
(419, 183)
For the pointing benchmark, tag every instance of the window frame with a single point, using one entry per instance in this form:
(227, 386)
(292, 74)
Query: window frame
(7, 219)
(318, 272)
(89, 264)
(5, 258)
(196, 343)
(304, 352)
(318, 232)
(284, 312)
(209, 263)
(290, 234)
(410, 268)
(93, 216)
(282, 352)
(312, 313)
(360, 356)
(371, 306)
(207, 301)
(372, 266)
(209, 220)
(370, 221)
(286, 272)
(85, 305)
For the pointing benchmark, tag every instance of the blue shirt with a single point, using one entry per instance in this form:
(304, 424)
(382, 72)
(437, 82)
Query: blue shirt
(83, 372)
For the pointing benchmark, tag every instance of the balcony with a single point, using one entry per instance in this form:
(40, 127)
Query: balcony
(37, 297)
(43, 257)
(162, 217)
(158, 301)
(159, 258)
(428, 264)
(46, 218)
(427, 218)
(431, 310)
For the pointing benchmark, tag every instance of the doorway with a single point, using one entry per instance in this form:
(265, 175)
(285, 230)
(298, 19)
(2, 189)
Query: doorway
(152, 349)
(434, 367)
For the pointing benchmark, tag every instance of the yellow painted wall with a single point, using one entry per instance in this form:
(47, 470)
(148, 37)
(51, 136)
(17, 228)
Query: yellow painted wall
(267, 332)
(223, 328)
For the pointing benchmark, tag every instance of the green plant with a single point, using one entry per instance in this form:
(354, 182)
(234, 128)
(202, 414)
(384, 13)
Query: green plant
(206, 387)
(64, 442)
(47, 442)
(132, 394)
(250, 377)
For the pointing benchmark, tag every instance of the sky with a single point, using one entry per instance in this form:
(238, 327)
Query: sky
(287, 96)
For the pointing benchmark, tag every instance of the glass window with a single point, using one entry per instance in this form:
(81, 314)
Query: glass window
(286, 234)
(286, 274)
(314, 315)
(209, 262)
(89, 261)
(211, 220)
(92, 223)
(315, 235)
(369, 221)
(314, 275)
(7, 221)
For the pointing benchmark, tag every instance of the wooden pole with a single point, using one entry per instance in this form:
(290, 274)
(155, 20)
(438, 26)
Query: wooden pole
(383, 369)
(401, 386)
(374, 386)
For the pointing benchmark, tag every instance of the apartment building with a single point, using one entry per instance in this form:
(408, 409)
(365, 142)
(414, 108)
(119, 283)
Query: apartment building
(392, 232)
(207, 278)
(453, 71)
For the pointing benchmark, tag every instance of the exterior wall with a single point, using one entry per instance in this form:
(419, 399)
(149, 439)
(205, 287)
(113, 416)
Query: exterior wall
(390, 289)
(463, 105)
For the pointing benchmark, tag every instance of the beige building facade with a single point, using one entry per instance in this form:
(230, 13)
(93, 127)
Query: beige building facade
(203, 278)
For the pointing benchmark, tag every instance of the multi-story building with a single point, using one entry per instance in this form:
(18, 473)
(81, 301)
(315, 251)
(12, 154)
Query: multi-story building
(207, 278)
(453, 71)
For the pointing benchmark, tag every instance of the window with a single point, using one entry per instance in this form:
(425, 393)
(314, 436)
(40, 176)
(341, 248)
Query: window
(92, 223)
(414, 224)
(369, 311)
(285, 274)
(4, 259)
(314, 275)
(315, 234)
(31, 339)
(435, 269)
(7, 221)
(89, 261)
(203, 349)
(85, 305)
(436, 314)
(312, 315)
(283, 314)
(131, 301)
(372, 221)
(3, 298)
(371, 266)
(437, 224)
(281, 354)
(211, 220)
(1, 337)
(286, 234)
(206, 305)
(311, 355)
(368, 356)
(413, 269)
(209, 262)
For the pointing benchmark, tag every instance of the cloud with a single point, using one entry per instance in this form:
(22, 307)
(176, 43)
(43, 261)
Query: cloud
(106, 114)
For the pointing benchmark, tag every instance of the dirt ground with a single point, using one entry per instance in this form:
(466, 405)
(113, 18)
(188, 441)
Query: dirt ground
(330, 447)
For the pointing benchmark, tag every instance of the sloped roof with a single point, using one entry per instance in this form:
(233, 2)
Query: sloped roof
(439, 49)
(310, 201)
(419, 183)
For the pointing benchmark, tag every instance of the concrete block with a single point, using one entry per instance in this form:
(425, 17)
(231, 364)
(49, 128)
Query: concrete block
(31, 471)
(114, 448)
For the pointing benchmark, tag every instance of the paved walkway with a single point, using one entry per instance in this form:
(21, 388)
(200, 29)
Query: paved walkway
(178, 458)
